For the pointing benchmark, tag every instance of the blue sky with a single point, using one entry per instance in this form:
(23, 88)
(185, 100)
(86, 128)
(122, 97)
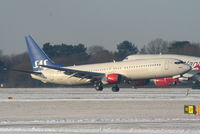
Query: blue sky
(96, 22)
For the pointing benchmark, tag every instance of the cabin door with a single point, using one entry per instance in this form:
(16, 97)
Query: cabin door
(166, 65)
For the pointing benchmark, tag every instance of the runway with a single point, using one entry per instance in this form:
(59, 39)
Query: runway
(84, 110)
(59, 94)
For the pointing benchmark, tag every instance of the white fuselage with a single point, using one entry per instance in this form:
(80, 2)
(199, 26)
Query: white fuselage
(135, 70)
(190, 60)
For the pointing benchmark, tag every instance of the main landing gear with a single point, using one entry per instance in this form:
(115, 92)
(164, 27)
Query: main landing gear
(99, 87)
(115, 88)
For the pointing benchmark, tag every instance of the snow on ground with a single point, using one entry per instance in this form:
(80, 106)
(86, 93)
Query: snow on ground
(103, 121)
(95, 131)
(83, 111)
(85, 94)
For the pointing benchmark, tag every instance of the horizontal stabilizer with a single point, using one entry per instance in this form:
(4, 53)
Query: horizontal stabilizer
(25, 71)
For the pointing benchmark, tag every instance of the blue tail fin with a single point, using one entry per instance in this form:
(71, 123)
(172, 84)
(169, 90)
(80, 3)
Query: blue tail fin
(37, 55)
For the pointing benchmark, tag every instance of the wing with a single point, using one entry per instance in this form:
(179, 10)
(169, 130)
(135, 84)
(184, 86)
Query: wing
(77, 73)
(191, 73)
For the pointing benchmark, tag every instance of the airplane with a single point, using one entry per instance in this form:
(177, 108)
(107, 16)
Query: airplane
(45, 70)
(192, 76)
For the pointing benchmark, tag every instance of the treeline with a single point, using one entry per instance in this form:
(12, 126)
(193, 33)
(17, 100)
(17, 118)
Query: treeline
(80, 54)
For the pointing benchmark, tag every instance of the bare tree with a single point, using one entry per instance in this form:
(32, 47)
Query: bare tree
(155, 47)
(95, 49)
(98, 54)
(184, 48)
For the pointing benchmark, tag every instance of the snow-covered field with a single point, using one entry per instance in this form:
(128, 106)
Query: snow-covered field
(95, 131)
(83, 111)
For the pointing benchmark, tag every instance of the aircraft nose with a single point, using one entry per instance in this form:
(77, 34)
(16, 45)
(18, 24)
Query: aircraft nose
(184, 68)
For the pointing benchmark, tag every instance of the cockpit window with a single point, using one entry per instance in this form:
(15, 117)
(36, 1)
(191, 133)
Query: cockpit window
(179, 62)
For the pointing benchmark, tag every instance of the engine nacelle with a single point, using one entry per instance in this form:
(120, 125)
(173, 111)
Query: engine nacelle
(197, 67)
(113, 78)
(165, 81)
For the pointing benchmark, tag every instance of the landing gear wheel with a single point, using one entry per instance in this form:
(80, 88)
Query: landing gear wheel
(98, 86)
(115, 89)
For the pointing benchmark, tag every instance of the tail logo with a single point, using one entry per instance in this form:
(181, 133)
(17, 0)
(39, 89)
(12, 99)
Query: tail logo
(40, 62)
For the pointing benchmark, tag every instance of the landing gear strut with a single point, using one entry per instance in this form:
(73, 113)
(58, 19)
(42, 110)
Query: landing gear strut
(115, 88)
(98, 86)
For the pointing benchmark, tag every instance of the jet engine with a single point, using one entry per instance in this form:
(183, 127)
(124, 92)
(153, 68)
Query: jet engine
(165, 81)
(113, 78)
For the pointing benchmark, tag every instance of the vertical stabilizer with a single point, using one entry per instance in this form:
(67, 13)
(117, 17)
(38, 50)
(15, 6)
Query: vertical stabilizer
(37, 55)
